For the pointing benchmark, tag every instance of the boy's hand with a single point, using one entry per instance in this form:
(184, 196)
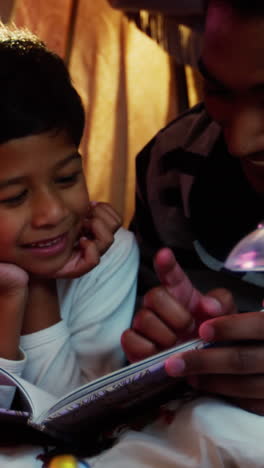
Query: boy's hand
(13, 297)
(13, 280)
(171, 312)
(236, 371)
(97, 236)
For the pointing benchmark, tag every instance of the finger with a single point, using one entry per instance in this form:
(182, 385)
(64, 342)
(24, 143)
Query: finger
(137, 347)
(12, 277)
(173, 277)
(237, 360)
(247, 326)
(151, 327)
(103, 235)
(171, 312)
(225, 300)
(106, 213)
(178, 284)
(236, 386)
(107, 207)
(82, 260)
(90, 255)
(108, 216)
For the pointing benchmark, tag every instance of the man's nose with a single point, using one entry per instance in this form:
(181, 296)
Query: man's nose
(244, 132)
(48, 209)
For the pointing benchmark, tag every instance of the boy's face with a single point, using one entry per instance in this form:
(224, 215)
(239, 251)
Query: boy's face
(232, 64)
(43, 199)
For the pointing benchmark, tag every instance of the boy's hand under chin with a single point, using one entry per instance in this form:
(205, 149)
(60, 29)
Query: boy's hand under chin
(98, 231)
(13, 298)
(13, 280)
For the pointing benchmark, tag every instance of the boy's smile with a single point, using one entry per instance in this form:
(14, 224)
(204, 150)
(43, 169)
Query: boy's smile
(48, 247)
(43, 200)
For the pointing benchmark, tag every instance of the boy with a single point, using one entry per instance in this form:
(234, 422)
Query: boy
(58, 270)
(200, 190)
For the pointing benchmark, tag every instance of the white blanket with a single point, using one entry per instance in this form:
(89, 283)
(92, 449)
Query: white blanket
(204, 433)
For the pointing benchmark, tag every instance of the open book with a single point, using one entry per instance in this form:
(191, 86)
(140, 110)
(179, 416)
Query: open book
(97, 406)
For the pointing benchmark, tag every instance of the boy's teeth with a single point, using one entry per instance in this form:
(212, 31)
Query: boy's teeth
(45, 244)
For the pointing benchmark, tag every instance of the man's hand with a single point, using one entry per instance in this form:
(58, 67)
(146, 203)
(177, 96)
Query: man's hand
(172, 312)
(97, 235)
(235, 371)
(176, 311)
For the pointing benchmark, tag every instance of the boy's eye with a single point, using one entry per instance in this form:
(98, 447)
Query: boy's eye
(15, 200)
(70, 179)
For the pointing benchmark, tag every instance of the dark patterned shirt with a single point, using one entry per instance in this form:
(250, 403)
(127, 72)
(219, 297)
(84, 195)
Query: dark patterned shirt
(193, 197)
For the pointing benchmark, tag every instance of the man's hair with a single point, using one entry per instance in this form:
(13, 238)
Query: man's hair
(36, 93)
(247, 8)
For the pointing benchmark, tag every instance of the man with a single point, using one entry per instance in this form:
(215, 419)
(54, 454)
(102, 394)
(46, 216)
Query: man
(200, 190)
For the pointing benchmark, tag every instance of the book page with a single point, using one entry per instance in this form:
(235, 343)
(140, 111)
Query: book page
(35, 400)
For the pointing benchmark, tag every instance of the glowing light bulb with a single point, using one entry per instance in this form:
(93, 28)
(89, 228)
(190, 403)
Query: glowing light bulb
(248, 254)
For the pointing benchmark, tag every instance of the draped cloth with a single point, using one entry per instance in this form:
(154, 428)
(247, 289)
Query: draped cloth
(125, 79)
(204, 433)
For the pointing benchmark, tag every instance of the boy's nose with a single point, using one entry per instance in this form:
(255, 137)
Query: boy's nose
(48, 210)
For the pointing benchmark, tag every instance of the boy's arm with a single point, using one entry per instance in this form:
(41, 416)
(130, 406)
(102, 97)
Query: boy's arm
(13, 298)
(42, 308)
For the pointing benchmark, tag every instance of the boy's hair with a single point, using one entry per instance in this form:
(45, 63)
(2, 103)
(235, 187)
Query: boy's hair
(245, 8)
(36, 93)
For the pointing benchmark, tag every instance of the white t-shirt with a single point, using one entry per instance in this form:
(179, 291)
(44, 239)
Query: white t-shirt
(95, 309)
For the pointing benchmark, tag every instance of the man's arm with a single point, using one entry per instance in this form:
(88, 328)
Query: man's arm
(234, 370)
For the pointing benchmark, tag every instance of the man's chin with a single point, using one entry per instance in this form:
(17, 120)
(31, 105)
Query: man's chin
(254, 173)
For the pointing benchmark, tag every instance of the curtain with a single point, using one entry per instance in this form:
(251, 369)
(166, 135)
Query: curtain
(126, 81)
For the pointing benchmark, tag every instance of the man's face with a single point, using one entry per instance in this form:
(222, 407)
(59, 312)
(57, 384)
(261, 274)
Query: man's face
(232, 64)
(43, 200)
